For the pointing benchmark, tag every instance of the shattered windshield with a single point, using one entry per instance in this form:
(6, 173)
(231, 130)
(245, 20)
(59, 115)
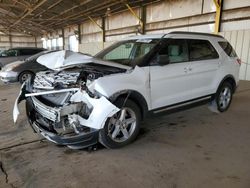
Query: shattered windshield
(128, 52)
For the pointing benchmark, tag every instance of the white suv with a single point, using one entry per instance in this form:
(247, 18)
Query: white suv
(104, 98)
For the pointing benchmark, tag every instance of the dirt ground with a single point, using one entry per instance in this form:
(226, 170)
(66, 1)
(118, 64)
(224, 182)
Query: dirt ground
(194, 149)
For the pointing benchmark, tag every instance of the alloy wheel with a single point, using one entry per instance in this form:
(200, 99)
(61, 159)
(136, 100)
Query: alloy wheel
(122, 125)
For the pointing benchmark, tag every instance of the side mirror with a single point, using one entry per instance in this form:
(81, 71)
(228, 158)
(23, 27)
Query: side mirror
(163, 60)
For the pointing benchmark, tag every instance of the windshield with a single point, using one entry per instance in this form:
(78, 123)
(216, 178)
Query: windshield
(128, 52)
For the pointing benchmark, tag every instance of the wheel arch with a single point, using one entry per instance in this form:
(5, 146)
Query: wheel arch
(135, 96)
(29, 71)
(229, 78)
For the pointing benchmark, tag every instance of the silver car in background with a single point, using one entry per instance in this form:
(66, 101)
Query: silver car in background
(17, 54)
(20, 71)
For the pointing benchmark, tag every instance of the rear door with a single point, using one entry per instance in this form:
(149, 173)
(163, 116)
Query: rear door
(204, 64)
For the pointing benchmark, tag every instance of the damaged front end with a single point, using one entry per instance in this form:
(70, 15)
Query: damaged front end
(62, 109)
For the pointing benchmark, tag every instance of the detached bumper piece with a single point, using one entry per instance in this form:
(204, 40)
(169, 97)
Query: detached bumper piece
(35, 108)
(74, 142)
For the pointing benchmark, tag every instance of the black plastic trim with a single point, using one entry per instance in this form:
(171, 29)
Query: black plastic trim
(184, 105)
(196, 33)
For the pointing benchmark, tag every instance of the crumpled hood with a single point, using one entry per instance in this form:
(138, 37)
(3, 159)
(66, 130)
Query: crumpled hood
(13, 64)
(64, 58)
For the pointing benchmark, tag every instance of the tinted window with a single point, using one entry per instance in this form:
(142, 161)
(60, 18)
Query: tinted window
(29, 51)
(25, 52)
(175, 50)
(228, 49)
(201, 50)
(9, 53)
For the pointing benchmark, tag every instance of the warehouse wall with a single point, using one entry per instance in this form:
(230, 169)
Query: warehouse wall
(240, 40)
(18, 40)
(166, 16)
(181, 15)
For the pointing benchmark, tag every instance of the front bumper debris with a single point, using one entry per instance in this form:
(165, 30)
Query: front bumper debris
(74, 142)
(42, 115)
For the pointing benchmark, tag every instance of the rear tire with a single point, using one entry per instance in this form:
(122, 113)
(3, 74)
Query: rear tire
(123, 127)
(224, 96)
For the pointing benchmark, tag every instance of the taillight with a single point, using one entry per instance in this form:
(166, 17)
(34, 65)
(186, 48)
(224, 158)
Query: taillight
(238, 61)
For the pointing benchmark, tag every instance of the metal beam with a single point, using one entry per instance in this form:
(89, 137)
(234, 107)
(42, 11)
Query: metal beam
(10, 39)
(28, 13)
(218, 5)
(79, 34)
(24, 4)
(35, 41)
(63, 38)
(136, 16)
(143, 17)
(69, 9)
(92, 20)
(101, 28)
(85, 12)
(50, 7)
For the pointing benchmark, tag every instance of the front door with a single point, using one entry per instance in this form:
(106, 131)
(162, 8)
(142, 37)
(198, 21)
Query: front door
(170, 81)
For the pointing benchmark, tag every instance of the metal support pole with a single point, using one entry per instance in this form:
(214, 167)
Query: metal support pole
(218, 5)
(63, 38)
(103, 30)
(143, 16)
(10, 39)
(79, 34)
(35, 41)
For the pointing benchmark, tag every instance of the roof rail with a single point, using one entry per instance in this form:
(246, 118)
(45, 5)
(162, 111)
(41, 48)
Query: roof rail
(196, 33)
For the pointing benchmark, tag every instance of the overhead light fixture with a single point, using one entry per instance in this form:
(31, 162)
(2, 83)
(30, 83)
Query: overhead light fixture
(108, 12)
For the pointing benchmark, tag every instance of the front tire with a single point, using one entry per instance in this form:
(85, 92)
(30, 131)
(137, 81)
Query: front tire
(224, 96)
(24, 76)
(123, 127)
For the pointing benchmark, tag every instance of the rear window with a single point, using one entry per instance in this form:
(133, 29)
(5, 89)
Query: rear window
(228, 49)
(201, 50)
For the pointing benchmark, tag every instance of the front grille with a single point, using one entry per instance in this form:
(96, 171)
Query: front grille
(48, 112)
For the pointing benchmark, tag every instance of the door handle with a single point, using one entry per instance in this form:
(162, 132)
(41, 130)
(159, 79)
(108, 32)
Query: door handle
(186, 69)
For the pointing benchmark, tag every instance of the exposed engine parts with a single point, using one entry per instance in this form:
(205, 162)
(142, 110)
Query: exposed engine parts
(71, 77)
